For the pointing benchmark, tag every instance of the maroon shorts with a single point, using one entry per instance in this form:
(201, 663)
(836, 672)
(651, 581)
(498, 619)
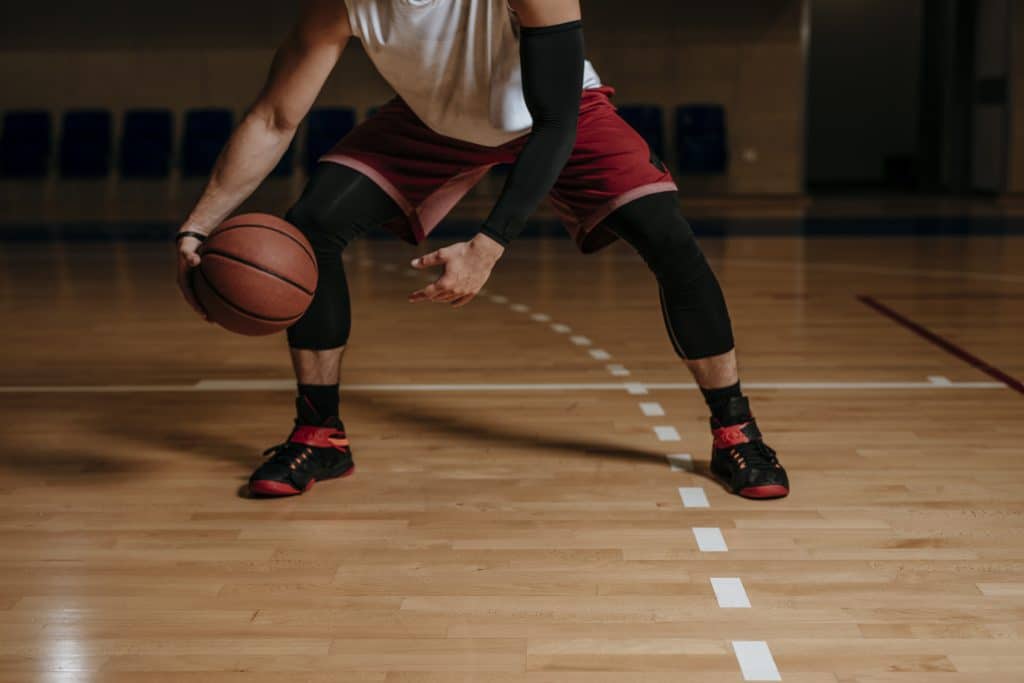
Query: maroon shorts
(427, 173)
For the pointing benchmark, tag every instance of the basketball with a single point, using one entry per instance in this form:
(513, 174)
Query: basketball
(257, 274)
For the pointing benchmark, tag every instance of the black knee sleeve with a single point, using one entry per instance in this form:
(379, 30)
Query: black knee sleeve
(691, 299)
(337, 206)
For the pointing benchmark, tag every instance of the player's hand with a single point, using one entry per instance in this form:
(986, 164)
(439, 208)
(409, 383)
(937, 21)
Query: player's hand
(188, 258)
(467, 265)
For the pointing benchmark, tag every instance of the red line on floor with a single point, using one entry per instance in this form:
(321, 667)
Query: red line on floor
(943, 343)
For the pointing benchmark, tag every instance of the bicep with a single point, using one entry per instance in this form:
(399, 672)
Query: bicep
(303, 63)
(536, 13)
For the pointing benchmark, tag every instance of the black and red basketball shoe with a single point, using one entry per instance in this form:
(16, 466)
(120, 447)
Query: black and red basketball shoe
(741, 459)
(317, 449)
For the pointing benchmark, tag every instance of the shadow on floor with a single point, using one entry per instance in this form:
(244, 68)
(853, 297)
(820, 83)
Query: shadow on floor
(110, 433)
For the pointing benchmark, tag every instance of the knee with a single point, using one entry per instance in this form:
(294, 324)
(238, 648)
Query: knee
(673, 254)
(310, 217)
(331, 209)
(655, 227)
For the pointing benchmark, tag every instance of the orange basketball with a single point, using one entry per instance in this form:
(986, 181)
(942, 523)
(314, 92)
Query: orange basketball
(257, 274)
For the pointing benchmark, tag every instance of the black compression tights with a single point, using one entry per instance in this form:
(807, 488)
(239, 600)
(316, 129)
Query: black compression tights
(691, 299)
(339, 204)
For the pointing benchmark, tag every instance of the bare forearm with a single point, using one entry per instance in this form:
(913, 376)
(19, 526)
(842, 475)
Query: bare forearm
(297, 73)
(251, 153)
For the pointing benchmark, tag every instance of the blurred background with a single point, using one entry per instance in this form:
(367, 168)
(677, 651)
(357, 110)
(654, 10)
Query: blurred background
(112, 112)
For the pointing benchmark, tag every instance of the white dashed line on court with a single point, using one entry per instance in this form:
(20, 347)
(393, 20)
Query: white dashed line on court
(730, 593)
(580, 340)
(652, 409)
(680, 462)
(756, 661)
(636, 389)
(499, 299)
(940, 381)
(617, 370)
(519, 308)
(599, 354)
(710, 539)
(693, 497)
(540, 317)
(560, 328)
(666, 433)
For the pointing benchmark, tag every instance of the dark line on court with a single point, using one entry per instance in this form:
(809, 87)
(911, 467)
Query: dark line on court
(943, 343)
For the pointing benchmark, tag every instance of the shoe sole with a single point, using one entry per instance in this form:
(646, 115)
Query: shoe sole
(766, 492)
(267, 488)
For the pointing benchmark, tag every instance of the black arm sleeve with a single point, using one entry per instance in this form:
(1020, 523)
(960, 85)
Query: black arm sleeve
(552, 66)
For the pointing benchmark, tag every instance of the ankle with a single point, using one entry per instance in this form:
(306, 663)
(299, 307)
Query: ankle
(728, 405)
(322, 398)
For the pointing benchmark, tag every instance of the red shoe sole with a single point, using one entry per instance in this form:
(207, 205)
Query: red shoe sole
(278, 489)
(762, 492)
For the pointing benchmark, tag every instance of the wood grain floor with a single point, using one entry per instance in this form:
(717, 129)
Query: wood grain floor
(528, 533)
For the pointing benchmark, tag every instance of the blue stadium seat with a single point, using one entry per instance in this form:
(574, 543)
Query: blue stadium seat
(206, 132)
(326, 127)
(25, 144)
(86, 143)
(701, 139)
(146, 143)
(648, 121)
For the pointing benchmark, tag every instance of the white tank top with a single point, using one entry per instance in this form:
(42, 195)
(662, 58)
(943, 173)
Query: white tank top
(454, 62)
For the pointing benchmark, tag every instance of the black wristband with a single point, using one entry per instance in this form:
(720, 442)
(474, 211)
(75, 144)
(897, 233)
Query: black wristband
(189, 233)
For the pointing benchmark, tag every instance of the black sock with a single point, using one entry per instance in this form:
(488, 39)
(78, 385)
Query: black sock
(719, 401)
(322, 397)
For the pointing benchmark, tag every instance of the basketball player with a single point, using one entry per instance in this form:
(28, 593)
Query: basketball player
(479, 83)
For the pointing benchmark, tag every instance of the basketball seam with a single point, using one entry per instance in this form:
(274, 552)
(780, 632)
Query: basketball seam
(241, 310)
(232, 257)
(302, 246)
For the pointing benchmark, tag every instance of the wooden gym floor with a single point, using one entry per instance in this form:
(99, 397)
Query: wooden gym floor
(530, 502)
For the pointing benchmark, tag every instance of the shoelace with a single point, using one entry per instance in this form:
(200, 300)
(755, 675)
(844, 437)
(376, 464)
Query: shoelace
(758, 454)
(288, 453)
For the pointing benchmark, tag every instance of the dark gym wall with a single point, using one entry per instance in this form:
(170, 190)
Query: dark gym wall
(1015, 175)
(990, 105)
(864, 71)
(744, 54)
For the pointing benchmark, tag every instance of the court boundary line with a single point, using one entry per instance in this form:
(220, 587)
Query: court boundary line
(943, 343)
(635, 388)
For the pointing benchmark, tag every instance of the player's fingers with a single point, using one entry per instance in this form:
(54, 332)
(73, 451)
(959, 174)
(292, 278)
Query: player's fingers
(188, 251)
(434, 258)
(463, 300)
(426, 294)
(447, 289)
(445, 297)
